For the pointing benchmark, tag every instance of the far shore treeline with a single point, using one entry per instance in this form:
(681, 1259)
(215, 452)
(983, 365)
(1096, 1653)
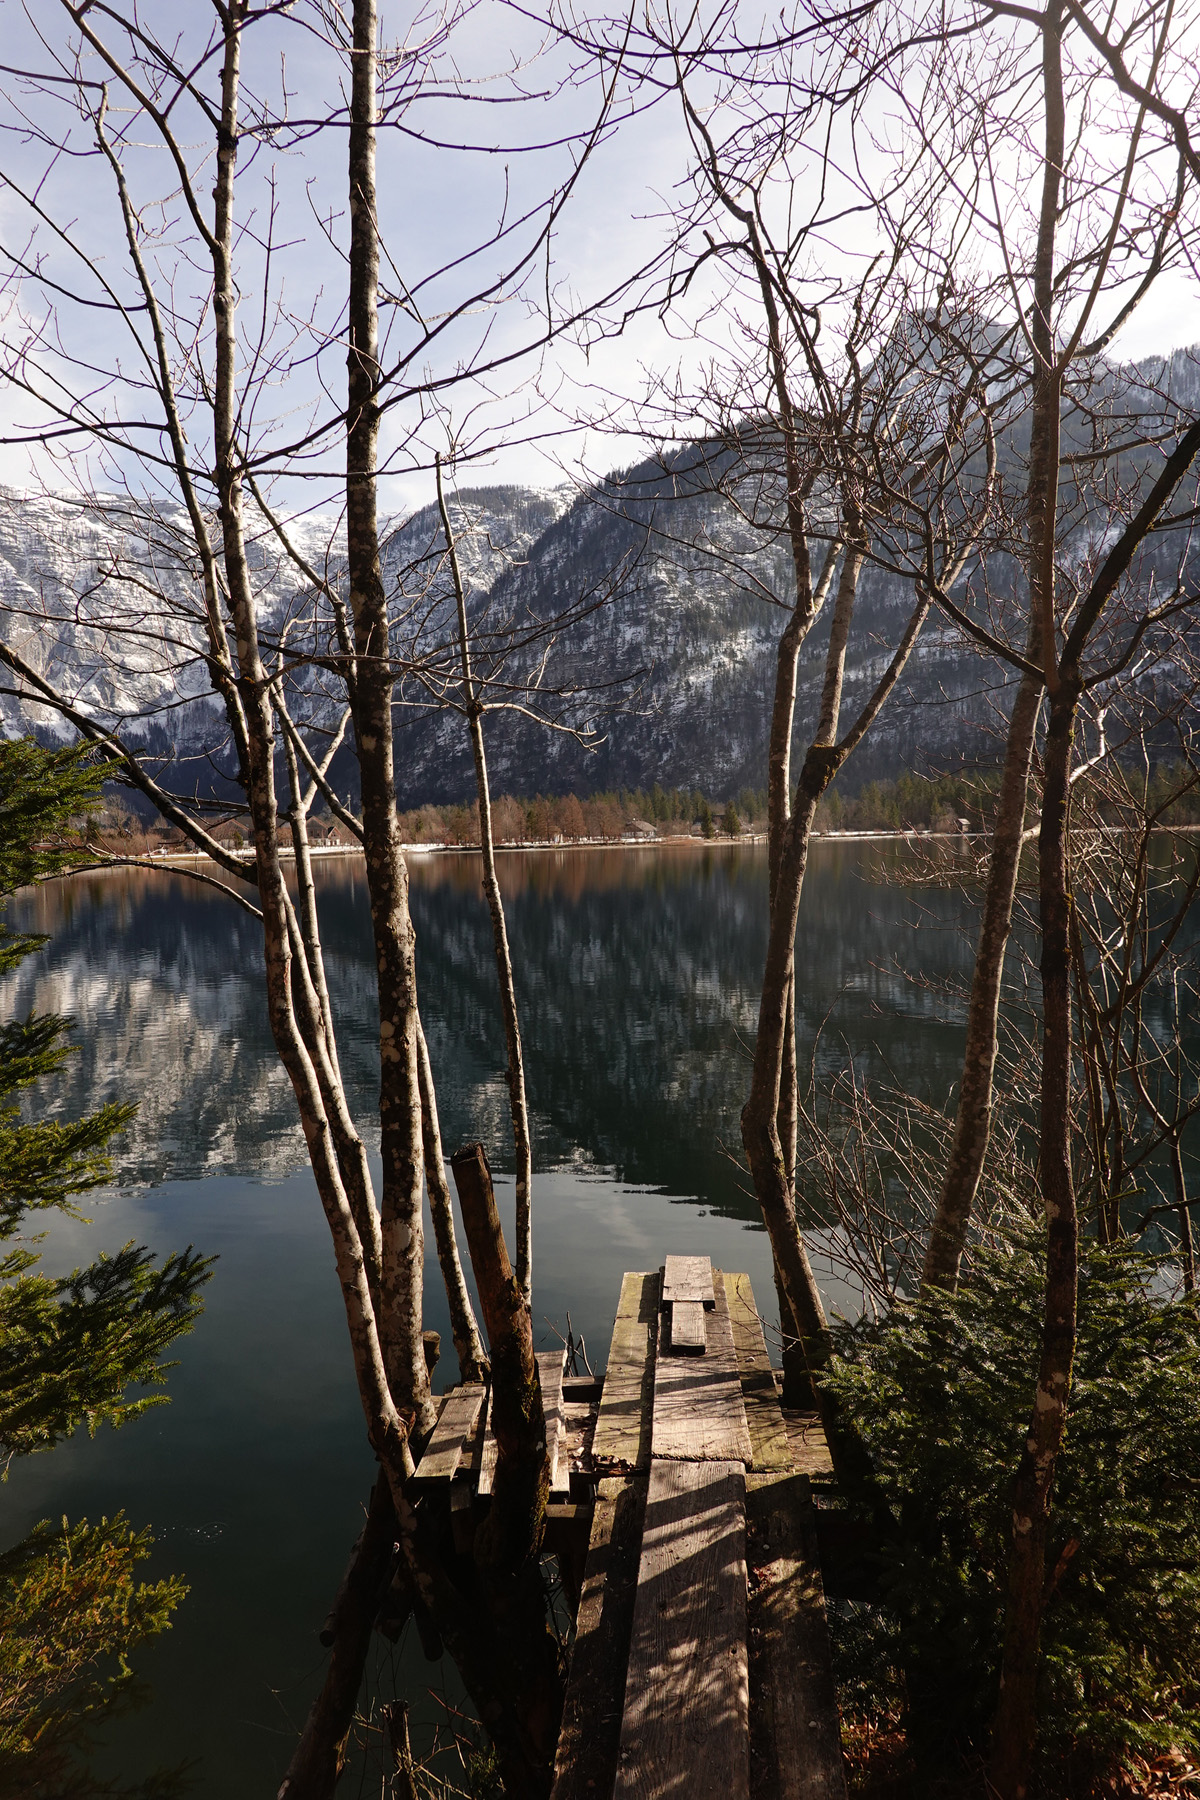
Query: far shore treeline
(954, 803)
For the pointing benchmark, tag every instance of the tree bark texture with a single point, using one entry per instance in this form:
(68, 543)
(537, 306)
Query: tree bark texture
(1015, 1722)
(508, 1542)
(386, 1429)
(401, 1141)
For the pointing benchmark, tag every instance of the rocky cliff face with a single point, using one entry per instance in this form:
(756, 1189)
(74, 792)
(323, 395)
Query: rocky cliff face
(606, 612)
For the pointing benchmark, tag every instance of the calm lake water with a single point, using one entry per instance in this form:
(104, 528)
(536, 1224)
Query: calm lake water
(637, 972)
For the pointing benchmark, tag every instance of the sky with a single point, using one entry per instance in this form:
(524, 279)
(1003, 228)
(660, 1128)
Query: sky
(492, 84)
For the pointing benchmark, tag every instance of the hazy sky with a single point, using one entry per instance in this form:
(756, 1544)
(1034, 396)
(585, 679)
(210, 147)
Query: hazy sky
(437, 204)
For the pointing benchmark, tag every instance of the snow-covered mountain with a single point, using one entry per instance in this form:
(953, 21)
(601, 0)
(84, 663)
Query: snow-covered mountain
(642, 611)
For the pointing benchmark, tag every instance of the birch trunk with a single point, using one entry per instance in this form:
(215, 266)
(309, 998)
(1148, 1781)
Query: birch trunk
(387, 1430)
(472, 1359)
(401, 1143)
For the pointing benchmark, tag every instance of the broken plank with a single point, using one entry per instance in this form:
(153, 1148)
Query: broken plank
(550, 1376)
(490, 1453)
(688, 1278)
(698, 1410)
(685, 1729)
(768, 1433)
(686, 1335)
(456, 1422)
(623, 1424)
(794, 1730)
(586, 1762)
(582, 1387)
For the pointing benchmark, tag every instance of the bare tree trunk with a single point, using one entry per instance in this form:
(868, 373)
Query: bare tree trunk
(798, 1389)
(472, 1360)
(760, 1115)
(508, 1541)
(973, 1116)
(401, 1142)
(1015, 1722)
(515, 1072)
(386, 1429)
(322, 1044)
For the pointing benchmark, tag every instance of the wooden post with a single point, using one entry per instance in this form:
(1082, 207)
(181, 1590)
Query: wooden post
(517, 1413)
(509, 1539)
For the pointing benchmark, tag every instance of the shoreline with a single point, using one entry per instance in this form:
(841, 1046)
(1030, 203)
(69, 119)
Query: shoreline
(319, 852)
(540, 847)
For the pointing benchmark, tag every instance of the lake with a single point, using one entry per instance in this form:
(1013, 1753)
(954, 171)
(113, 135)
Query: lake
(637, 973)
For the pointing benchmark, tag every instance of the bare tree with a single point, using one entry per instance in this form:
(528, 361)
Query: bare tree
(473, 708)
(209, 589)
(845, 418)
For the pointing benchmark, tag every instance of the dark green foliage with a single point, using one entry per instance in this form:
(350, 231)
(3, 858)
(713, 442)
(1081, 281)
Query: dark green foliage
(41, 793)
(45, 1162)
(70, 1349)
(72, 1612)
(941, 1391)
(731, 823)
(74, 1350)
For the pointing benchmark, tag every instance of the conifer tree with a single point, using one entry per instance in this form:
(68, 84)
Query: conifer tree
(81, 1349)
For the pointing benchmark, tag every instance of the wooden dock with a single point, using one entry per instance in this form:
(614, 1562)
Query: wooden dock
(682, 1516)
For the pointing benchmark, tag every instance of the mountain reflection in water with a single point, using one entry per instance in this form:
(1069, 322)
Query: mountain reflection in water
(637, 974)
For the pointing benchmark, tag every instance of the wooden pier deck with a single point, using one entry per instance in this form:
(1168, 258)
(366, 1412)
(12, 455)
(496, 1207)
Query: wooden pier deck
(682, 1515)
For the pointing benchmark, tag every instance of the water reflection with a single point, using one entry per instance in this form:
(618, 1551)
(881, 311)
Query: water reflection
(637, 975)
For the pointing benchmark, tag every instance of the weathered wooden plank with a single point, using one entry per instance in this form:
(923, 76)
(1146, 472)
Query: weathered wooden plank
(795, 1737)
(687, 1278)
(806, 1441)
(550, 1374)
(622, 1440)
(686, 1335)
(456, 1422)
(586, 1762)
(698, 1410)
(685, 1729)
(760, 1396)
(490, 1452)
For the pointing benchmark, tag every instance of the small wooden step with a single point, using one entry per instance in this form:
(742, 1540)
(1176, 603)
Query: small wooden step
(698, 1410)
(688, 1279)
